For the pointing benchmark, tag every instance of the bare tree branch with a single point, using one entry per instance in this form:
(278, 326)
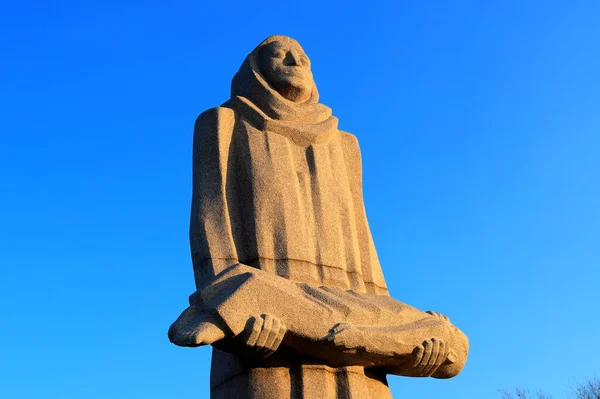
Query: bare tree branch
(589, 389)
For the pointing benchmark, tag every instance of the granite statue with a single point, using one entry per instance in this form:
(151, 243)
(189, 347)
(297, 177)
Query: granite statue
(289, 289)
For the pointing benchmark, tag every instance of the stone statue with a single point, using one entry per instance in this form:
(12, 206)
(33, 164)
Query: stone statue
(290, 291)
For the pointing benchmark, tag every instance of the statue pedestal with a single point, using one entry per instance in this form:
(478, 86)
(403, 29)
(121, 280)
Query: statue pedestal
(231, 378)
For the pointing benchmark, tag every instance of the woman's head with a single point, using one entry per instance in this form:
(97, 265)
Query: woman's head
(286, 67)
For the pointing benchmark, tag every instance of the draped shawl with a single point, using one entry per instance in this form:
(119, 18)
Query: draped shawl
(277, 186)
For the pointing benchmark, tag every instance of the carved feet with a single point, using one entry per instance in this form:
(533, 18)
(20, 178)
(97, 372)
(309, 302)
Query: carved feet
(438, 315)
(195, 328)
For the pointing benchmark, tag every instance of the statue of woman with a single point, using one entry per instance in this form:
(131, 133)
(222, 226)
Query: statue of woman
(290, 291)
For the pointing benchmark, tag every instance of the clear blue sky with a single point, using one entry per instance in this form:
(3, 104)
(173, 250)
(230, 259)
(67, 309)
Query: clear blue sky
(479, 123)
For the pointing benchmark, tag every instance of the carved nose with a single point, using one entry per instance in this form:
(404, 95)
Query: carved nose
(291, 59)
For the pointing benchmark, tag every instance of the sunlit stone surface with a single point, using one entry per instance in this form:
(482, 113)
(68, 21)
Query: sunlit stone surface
(290, 291)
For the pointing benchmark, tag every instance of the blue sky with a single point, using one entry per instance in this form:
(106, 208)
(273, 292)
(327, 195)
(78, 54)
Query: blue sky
(479, 125)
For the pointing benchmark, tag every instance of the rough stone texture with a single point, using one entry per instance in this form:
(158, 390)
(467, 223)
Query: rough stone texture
(290, 291)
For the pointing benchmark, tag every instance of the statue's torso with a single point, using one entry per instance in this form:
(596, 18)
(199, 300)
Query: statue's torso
(297, 211)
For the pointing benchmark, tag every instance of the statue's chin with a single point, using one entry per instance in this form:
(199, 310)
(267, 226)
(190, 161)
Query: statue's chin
(295, 94)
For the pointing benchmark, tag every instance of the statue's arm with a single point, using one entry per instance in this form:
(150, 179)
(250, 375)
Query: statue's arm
(213, 245)
(211, 239)
(371, 268)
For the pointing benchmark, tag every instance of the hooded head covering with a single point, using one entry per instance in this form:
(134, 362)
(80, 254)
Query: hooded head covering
(305, 123)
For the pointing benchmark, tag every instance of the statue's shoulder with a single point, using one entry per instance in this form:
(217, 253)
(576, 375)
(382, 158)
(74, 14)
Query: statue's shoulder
(349, 138)
(215, 121)
(350, 143)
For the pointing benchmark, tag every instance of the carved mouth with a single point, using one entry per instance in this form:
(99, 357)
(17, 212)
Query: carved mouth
(294, 73)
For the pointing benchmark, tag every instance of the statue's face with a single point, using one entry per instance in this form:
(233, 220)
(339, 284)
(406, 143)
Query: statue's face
(287, 68)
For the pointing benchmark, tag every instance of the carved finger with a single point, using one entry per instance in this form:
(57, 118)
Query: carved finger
(428, 346)
(446, 352)
(273, 334)
(443, 356)
(443, 351)
(435, 361)
(438, 359)
(420, 351)
(266, 330)
(280, 336)
(433, 345)
(254, 331)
